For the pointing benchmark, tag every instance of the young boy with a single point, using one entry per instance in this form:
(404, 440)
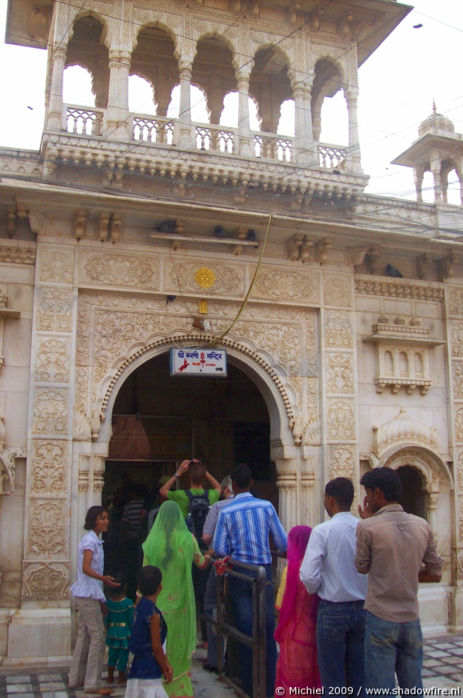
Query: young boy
(149, 633)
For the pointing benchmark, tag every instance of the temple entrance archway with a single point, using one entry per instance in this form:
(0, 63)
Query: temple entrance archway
(158, 420)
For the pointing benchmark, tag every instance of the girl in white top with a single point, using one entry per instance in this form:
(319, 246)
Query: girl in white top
(88, 657)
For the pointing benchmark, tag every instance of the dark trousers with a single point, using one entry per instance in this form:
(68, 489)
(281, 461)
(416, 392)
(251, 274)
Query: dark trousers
(340, 644)
(241, 598)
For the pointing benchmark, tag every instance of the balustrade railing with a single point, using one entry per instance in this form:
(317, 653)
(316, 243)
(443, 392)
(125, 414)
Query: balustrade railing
(84, 121)
(215, 138)
(273, 147)
(153, 129)
(207, 137)
(332, 157)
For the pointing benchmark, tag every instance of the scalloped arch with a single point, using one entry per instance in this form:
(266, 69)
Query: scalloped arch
(247, 356)
(426, 460)
(82, 14)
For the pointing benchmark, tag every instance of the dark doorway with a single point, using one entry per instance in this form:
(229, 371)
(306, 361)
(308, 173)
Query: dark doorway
(159, 420)
(415, 497)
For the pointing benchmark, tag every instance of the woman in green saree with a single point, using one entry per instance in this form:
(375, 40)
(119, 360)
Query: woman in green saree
(171, 547)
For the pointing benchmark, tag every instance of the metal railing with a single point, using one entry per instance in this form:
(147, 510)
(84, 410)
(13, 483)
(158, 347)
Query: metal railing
(225, 628)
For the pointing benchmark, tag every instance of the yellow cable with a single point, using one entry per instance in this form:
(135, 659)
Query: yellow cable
(246, 298)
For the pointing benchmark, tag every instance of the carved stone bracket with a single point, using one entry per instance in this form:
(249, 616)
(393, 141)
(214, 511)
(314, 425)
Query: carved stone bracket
(7, 468)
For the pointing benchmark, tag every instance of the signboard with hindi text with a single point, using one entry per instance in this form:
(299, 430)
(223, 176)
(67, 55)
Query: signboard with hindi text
(198, 362)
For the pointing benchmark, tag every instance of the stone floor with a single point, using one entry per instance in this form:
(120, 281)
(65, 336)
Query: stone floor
(443, 668)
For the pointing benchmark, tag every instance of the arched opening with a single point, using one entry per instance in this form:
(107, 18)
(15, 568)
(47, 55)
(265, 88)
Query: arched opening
(415, 496)
(87, 50)
(213, 73)
(153, 59)
(141, 96)
(327, 83)
(159, 420)
(270, 86)
(287, 118)
(229, 116)
(77, 86)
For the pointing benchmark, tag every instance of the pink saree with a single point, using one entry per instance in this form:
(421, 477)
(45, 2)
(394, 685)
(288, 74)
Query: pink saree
(297, 665)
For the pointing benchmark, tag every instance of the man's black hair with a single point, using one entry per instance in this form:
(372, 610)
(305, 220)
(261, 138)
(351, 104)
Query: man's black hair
(242, 475)
(386, 480)
(342, 490)
(149, 579)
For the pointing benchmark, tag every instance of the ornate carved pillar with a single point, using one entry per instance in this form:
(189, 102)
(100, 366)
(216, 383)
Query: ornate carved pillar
(186, 136)
(117, 112)
(55, 119)
(244, 130)
(287, 485)
(418, 174)
(303, 133)
(354, 141)
(46, 555)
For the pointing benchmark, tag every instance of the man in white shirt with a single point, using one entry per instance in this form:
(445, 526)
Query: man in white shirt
(328, 570)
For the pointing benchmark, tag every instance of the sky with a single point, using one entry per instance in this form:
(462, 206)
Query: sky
(420, 62)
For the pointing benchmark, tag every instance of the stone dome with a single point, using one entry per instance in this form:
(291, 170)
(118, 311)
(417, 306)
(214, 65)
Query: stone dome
(436, 122)
(403, 429)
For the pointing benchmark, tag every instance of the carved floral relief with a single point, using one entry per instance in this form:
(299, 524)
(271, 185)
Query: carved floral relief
(184, 276)
(457, 375)
(46, 534)
(49, 465)
(56, 266)
(455, 300)
(51, 412)
(337, 330)
(55, 311)
(122, 270)
(340, 421)
(340, 372)
(337, 290)
(52, 362)
(17, 255)
(459, 424)
(341, 461)
(45, 581)
(456, 338)
(459, 469)
(288, 286)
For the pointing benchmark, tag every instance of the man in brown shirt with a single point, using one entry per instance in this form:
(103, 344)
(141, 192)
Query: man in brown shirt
(397, 551)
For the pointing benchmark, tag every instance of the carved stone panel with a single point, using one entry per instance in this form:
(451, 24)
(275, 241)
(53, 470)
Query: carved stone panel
(56, 266)
(455, 300)
(52, 362)
(49, 465)
(55, 311)
(51, 412)
(340, 421)
(45, 581)
(215, 279)
(340, 372)
(341, 461)
(120, 270)
(457, 375)
(337, 330)
(456, 338)
(459, 423)
(283, 285)
(337, 290)
(459, 470)
(47, 535)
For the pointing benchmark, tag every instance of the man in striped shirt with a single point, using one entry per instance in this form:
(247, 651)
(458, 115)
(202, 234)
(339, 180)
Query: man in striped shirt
(242, 531)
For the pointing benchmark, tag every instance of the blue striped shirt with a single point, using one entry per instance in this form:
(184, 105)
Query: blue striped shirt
(243, 529)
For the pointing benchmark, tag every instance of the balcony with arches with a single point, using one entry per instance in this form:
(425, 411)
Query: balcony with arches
(203, 111)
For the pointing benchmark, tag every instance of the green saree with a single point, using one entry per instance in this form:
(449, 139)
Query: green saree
(171, 547)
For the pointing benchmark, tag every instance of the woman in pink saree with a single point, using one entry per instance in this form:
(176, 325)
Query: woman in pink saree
(297, 665)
